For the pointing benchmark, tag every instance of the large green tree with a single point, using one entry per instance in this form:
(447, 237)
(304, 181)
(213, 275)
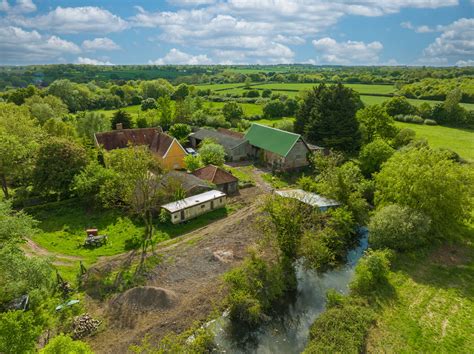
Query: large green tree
(376, 123)
(89, 123)
(327, 117)
(428, 181)
(58, 161)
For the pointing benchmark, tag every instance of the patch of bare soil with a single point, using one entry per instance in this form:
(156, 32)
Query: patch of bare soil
(31, 248)
(450, 255)
(192, 271)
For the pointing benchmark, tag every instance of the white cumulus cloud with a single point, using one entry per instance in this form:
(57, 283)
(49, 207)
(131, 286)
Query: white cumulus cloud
(89, 61)
(177, 57)
(103, 43)
(21, 6)
(75, 20)
(19, 46)
(329, 51)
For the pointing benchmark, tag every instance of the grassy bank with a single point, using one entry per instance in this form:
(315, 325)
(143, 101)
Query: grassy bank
(433, 307)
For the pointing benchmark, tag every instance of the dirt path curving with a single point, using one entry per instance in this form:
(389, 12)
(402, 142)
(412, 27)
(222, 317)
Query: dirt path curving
(31, 249)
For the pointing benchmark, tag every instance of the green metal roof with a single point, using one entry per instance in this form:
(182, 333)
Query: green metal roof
(275, 140)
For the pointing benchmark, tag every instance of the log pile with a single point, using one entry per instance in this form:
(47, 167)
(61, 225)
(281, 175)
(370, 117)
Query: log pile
(84, 325)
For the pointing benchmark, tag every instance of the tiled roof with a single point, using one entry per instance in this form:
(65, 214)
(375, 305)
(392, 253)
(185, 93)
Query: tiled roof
(118, 139)
(215, 175)
(161, 143)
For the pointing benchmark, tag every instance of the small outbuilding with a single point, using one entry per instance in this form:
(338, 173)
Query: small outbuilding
(235, 145)
(191, 184)
(223, 180)
(189, 208)
(309, 198)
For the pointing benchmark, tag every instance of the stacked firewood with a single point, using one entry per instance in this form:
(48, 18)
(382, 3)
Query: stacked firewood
(84, 325)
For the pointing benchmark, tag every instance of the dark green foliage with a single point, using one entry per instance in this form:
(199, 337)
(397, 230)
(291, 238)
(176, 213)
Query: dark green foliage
(18, 332)
(373, 155)
(340, 329)
(326, 117)
(122, 117)
(266, 93)
(404, 137)
(253, 288)
(371, 272)
(252, 93)
(398, 105)
(181, 92)
(232, 112)
(291, 106)
(274, 109)
(398, 228)
(14, 225)
(88, 183)
(58, 161)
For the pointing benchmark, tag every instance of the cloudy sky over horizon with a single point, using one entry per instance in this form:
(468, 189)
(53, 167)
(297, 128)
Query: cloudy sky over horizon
(346, 32)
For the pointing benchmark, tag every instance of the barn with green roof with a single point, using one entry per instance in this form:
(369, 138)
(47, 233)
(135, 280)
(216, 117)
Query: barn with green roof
(277, 148)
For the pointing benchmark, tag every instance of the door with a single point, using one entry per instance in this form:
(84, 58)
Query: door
(182, 215)
(212, 205)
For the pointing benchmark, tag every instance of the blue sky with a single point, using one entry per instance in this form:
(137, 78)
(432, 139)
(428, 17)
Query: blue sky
(357, 32)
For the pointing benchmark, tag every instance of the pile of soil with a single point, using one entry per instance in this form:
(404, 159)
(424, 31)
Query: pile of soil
(145, 298)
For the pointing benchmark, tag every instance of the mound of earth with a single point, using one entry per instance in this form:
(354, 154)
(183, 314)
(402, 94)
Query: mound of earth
(145, 298)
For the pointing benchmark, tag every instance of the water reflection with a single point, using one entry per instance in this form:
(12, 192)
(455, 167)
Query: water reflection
(287, 331)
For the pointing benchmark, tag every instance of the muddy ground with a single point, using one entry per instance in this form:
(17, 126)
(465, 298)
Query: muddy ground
(191, 272)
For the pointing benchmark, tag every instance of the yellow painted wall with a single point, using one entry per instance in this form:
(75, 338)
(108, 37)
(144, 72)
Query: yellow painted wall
(174, 159)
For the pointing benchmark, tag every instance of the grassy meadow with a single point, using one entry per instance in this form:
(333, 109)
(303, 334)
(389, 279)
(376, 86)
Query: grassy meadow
(432, 307)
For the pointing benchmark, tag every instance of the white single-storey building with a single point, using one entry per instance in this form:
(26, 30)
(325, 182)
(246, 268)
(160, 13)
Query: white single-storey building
(309, 198)
(188, 208)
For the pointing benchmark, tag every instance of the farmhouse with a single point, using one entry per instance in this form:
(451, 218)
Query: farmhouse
(235, 145)
(194, 206)
(223, 180)
(165, 148)
(277, 148)
(309, 198)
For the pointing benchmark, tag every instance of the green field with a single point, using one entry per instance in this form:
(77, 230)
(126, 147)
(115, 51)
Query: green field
(249, 108)
(458, 140)
(361, 88)
(432, 307)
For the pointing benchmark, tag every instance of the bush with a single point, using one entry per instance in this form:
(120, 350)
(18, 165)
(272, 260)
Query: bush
(399, 228)
(340, 329)
(18, 332)
(149, 103)
(430, 122)
(253, 288)
(404, 137)
(409, 118)
(65, 344)
(284, 125)
(371, 272)
(373, 155)
(212, 154)
(192, 163)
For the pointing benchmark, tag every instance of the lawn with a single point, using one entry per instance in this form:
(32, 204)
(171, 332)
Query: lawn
(458, 140)
(361, 88)
(62, 229)
(433, 307)
(250, 109)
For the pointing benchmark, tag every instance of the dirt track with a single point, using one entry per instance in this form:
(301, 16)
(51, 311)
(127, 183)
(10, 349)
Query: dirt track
(191, 269)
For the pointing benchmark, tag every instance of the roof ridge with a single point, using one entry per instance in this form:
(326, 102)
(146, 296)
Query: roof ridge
(215, 171)
(280, 130)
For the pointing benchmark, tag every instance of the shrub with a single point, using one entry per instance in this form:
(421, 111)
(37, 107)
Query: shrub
(212, 154)
(340, 329)
(373, 155)
(65, 344)
(430, 122)
(192, 163)
(399, 228)
(274, 109)
(371, 272)
(180, 131)
(18, 332)
(149, 103)
(253, 288)
(284, 125)
(404, 137)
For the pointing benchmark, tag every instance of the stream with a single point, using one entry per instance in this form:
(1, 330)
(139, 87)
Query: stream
(288, 332)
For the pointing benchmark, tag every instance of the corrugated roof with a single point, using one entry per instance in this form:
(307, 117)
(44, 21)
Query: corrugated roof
(215, 175)
(192, 201)
(232, 133)
(226, 140)
(308, 198)
(271, 139)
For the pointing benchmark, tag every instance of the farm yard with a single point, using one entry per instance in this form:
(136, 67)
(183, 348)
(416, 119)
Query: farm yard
(220, 209)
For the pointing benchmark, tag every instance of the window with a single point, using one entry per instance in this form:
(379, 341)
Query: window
(202, 206)
(175, 216)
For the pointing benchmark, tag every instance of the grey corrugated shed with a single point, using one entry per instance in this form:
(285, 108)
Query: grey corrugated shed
(226, 140)
(312, 199)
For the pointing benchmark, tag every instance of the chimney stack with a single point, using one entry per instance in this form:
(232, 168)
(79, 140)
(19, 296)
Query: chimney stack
(119, 126)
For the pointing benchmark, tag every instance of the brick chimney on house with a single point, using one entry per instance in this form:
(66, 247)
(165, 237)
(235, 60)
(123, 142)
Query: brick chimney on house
(119, 126)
